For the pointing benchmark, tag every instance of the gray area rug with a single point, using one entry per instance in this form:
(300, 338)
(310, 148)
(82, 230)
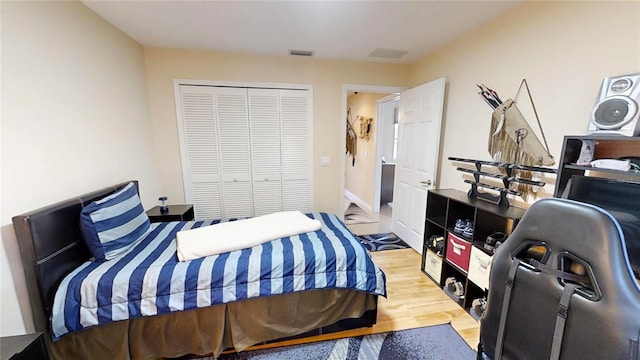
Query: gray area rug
(440, 342)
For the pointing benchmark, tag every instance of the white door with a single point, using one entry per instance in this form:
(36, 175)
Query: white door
(297, 150)
(216, 164)
(199, 151)
(245, 152)
(235, 152)
(419, 124)
(280, 150)
(264, 123)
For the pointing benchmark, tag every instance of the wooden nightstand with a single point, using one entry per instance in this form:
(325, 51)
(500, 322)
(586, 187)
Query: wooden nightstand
(24, 347)
(175, 213)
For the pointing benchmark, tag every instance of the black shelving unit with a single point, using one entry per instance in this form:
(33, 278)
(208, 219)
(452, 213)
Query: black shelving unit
(606, 147)
(444, 207)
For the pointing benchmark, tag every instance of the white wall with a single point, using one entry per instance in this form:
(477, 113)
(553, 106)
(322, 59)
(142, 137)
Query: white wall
(563, 48)
(74, 119)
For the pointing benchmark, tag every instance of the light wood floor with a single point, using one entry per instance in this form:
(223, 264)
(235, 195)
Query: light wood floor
(413, 300)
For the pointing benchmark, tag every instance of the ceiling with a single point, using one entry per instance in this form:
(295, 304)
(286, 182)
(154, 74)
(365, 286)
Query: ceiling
(342, 30)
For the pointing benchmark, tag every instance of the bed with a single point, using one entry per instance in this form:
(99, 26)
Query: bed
(53, 251)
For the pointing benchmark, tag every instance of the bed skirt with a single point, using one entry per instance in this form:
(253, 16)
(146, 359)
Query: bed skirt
(204, 331)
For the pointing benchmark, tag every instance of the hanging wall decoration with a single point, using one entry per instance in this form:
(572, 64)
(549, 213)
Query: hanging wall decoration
(352, 139)
(511, 139)
(365, 127)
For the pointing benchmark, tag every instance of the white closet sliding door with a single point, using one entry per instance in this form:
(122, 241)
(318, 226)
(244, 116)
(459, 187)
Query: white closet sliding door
(216, 167)
(296, 150)
(245, 151)
(200, 168)
(235, 151)
(264, 115)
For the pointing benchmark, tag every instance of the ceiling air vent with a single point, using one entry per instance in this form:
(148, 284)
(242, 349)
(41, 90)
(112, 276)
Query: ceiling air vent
(300, 52)
(388, 53)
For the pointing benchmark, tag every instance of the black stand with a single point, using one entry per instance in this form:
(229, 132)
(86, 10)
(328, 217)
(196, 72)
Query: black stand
(507, 178)
(500, 200)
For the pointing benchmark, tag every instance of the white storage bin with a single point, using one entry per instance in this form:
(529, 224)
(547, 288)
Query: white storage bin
(479, 267)
(433, 266)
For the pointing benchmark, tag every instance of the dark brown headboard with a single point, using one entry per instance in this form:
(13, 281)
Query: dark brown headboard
(51, 246)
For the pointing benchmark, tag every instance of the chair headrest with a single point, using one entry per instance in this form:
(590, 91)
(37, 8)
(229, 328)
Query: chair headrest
(567, 228)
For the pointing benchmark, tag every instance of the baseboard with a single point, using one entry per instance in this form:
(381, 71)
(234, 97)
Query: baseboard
(356, 200)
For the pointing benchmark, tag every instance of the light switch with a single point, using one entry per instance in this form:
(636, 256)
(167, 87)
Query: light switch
(324, 160)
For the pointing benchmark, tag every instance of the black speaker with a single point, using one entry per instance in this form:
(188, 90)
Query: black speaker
(616, 110)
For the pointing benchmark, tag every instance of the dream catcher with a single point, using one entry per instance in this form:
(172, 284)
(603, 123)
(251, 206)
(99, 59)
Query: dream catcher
(352, 139)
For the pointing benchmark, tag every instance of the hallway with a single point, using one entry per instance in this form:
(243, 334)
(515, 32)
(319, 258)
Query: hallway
(380, 223)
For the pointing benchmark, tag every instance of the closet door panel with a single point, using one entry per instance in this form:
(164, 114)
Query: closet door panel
(297, 195)
(235, 152)
(296, 150)
(206, 200)
(236, 202)
(233, 123)
(264, 124)
(267, 196)
(200, 151)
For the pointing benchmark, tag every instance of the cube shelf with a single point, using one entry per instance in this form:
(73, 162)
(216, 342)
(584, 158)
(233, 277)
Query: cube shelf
(444, 207)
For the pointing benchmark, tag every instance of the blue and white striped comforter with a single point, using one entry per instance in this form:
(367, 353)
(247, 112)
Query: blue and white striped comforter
(149, 279)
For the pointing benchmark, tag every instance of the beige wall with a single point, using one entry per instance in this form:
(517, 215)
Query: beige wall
(74, 119)
(74, 114)
(563, 49)
(326, 77)
(359, 177)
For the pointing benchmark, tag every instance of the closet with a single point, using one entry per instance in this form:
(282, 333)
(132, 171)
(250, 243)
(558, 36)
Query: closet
(245, 151)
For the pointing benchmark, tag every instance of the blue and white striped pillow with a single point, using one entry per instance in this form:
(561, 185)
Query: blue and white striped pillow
(114, 224)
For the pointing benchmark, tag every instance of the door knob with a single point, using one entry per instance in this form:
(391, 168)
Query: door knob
(427, 182)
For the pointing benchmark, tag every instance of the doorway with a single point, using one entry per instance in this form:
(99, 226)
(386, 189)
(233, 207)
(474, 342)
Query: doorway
(362, 180)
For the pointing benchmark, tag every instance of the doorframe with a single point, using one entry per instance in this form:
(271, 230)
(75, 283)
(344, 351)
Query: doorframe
(343, 129)
(377, 172)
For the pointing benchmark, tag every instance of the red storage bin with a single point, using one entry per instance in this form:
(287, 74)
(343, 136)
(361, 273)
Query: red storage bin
(458, 251)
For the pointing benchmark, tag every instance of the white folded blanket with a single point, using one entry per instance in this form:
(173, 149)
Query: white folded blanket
(241, 234)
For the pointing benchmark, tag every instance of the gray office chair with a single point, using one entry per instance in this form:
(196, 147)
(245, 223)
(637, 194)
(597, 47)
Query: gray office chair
(561, 287)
